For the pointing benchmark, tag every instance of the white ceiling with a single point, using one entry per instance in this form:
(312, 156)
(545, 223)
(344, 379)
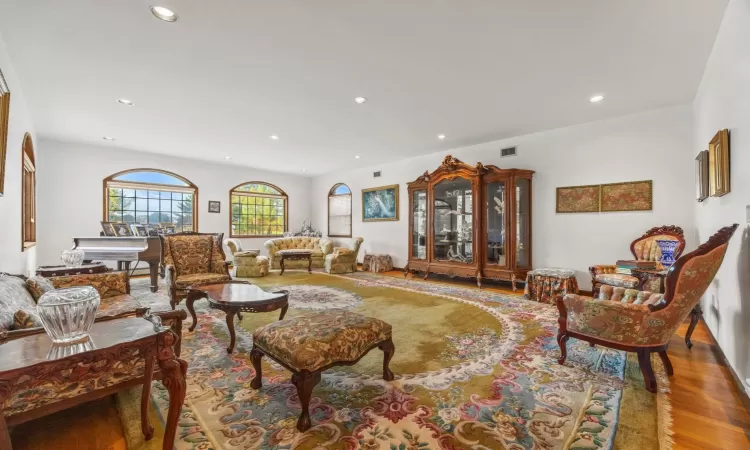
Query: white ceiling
(228, 74)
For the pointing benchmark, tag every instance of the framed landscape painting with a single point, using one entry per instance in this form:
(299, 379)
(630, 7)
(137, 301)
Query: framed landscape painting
(578, 199)
(628, 196)
(380, 203)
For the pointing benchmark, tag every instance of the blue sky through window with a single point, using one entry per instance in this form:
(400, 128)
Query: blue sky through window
(151, 177)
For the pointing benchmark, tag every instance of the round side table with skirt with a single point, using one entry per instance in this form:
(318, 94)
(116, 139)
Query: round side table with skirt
(545, 285)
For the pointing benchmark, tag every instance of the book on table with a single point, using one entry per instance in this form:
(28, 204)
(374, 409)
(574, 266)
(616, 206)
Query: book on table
(636, 264)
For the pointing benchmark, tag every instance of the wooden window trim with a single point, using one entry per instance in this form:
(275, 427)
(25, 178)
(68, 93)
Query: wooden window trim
(282, 194)
(351, 207)
(110, 181)
(28, 194)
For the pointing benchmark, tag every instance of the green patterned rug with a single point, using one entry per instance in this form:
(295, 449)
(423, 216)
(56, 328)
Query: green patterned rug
(474, 370)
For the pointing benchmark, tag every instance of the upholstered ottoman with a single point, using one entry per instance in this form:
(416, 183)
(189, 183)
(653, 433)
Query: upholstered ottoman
(309, 344)
(249, 264)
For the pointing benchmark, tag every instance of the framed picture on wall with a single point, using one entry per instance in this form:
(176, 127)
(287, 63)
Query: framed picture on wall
(718, 164)
(4, 116)
(380, 203)
(214, 206)
(701, 176)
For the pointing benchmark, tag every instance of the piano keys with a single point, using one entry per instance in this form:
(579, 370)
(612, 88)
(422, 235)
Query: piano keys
(124, 250)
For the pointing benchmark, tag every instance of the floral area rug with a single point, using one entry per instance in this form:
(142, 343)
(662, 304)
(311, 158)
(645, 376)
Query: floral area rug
(474, 370)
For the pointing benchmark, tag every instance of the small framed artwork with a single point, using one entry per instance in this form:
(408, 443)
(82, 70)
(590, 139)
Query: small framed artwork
(108, 229)
(701, 176)
(214, 206)
(718, 164)
(380, 203)
(167, 227)
(152, 229)
(4, 116)
(122, 229)
(578, 199)
(628, 196)
(139, 229)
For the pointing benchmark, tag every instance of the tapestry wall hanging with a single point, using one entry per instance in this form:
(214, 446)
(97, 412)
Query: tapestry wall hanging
(577, 199)
(628, 196)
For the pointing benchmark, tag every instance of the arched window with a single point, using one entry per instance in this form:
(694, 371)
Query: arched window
(150, 196)
(258, 210)
(28, 194)
(340, 211)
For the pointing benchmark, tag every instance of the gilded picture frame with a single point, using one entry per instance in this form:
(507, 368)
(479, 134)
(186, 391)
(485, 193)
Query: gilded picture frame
(4, 118)
(578, 199)
(701, 176)
(380, 203)
(627, 196)
(718, 164)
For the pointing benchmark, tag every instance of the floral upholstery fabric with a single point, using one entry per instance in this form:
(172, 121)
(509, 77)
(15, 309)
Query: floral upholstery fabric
(545, 285)
(249, 264)
(14, 297)
(634, 296)
(37, 286)
(106, 284)
(618, 280)
(635, 324)
(194, 253)
(313, 341)
(26, 318)
(320, 247)
(117, 306)
(343, 259)
(648, 250)
(186, 281)
(373, 262)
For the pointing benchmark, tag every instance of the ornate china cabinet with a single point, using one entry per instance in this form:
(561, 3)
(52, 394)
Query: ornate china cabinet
(471, 221)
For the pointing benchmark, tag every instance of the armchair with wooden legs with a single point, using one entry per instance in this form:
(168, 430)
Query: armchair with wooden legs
(645, 322)
(190, 259)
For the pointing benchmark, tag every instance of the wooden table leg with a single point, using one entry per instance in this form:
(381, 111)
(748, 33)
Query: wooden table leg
(309, 264)
(173, 372)
(230, 325)
(153, 268)
(255, 356)
(282, 265)
(388, 350)
(305, 381)
(148, 374)
(283, 311)
(191, 298)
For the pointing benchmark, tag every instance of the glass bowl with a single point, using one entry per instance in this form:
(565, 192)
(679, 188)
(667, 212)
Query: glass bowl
(67, 314)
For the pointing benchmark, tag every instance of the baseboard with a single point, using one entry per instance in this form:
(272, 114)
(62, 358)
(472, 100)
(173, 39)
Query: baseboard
(719, 353)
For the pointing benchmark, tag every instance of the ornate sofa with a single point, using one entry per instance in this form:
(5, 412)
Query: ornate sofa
(320, 247)
(643, 322)
(644, 248)
(191, 259)
(344, 259)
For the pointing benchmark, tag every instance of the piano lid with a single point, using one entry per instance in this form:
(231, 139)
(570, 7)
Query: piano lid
(113, 243)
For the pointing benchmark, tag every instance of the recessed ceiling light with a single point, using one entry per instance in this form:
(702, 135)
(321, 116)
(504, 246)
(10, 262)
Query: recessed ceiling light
(108, 138)
(356, 157)
(441, 136)
(304, 170)
(124, 101)
(360, 100)
(163, 13)
(273, 137)
(596, 99)
(227, 157)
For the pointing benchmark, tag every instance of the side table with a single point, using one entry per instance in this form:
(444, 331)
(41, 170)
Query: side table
(374, 262)
(650, 279)
(63, 271)
(545, 285)
(119, 354)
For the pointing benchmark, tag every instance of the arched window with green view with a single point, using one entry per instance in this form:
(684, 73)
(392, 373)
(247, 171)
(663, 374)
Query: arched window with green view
(151, 196)
(258, 210)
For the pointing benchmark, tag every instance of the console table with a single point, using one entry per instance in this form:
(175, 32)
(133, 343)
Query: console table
(119, 354)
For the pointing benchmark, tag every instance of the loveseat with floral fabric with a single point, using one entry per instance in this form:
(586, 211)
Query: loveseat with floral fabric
(320, 247)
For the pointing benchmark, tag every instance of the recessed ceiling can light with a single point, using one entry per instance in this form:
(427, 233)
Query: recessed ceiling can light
(596, 99)
(356, 157)
(273, 137)
(227, 157)
(164, 14)
(441, 136)
(360, 100)
(124, 101)
(304, 170)
(108, 138)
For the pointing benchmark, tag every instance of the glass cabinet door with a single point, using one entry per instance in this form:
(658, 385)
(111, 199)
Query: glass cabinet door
(523, 222)
(496, 223)
(452, 218)
(419, 225)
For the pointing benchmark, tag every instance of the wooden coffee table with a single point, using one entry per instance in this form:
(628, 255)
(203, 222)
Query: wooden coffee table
(295, 254)
(234, 297)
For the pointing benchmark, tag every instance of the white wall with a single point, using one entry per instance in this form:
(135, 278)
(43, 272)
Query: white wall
(723, 101)
(70, 191)
(646, 146)
(12, 259)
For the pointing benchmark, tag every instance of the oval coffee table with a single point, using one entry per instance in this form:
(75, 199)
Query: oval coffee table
(234, 297)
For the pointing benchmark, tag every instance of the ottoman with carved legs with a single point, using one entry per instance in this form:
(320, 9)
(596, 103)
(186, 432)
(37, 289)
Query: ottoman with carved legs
(310, 344)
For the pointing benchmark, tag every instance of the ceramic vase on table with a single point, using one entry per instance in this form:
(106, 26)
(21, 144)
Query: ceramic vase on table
(667, 251)
(72, 258)
(67, 314)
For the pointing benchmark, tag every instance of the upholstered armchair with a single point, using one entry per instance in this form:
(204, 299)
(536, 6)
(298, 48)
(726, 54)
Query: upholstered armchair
(344, 259)
(643, 322)
(644, 248)
(190, 259)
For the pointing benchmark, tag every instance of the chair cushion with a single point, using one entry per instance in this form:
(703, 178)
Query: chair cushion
(14, 297)
(108, 284)
(191, 253)
(313, 341)
(617, 279)
(186, 281)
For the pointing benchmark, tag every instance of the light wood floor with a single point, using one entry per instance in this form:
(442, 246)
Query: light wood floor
(707, 408)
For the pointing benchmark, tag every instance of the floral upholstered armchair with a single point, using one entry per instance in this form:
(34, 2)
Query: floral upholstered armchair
(344, 259)
(191, 259)
(643, 322)
(644, 248)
